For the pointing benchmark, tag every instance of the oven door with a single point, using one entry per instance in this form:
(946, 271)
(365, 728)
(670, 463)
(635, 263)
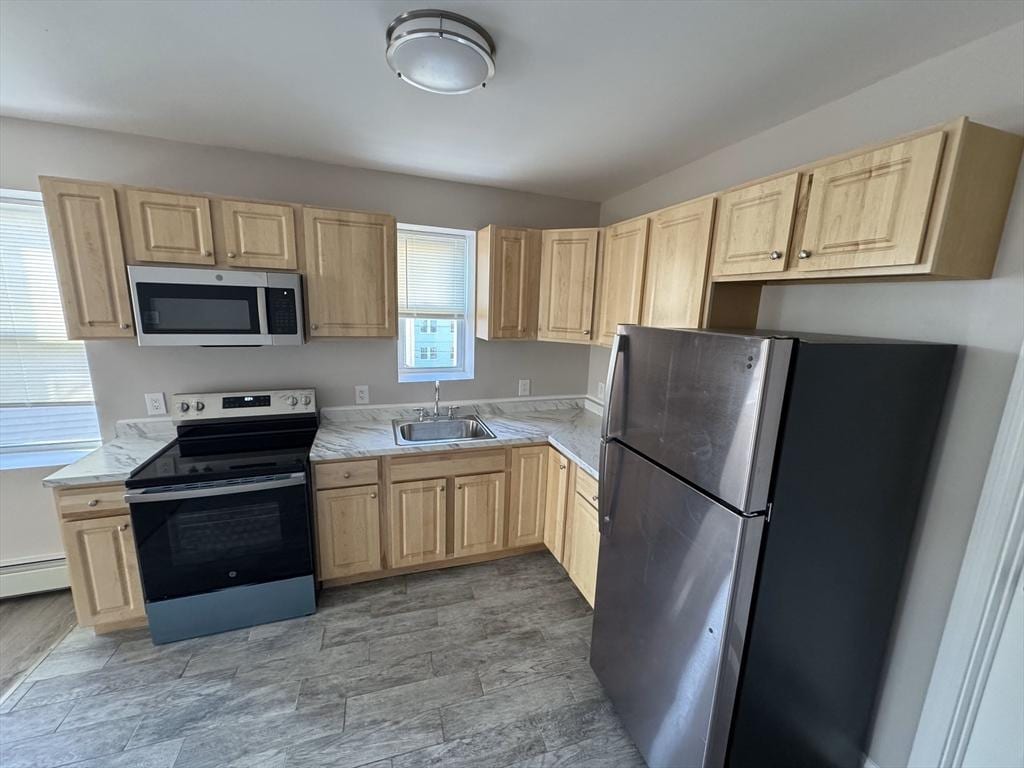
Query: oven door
(178, 306)
(208, 536)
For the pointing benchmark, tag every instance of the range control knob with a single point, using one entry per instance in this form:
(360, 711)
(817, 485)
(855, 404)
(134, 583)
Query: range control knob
(200, 405)
(306, 399)
(293, 400)
(183, 407)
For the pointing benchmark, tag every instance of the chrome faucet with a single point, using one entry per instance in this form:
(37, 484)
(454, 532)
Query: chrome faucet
(437, 400)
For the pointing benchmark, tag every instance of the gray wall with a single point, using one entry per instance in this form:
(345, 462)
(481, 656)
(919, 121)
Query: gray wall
(122, 372)
(984, 80)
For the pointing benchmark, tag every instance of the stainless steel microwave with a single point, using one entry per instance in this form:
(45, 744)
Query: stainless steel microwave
(183, 306)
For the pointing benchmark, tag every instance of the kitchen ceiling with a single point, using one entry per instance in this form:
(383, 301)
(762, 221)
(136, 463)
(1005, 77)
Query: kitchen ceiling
(589, 99)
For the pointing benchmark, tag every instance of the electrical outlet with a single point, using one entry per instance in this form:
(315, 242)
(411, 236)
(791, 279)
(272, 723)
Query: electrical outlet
(600, 390)
(155, 404)
(362, 394)
(524, 387)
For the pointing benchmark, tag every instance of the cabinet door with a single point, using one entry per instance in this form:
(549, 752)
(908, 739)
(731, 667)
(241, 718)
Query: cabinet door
(87, 252)
(528, 496)
(568, 270)
(257, 235)
(556, 498)
(348, 531)
(677, 265)
(416, 522)
(173, 229)
(871, 210)
(510, 277)
(479, 513)
(103, 570)
(622, 276)
(583, 543)
(351, 273)
(753, 227)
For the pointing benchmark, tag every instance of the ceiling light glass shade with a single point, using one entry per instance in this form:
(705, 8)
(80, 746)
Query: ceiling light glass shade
(440, 51)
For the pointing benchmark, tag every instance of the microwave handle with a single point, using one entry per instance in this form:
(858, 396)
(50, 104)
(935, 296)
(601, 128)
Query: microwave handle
(278, 481)
(261, 307)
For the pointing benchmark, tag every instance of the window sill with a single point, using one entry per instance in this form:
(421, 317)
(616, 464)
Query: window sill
(43, 458)
(419, 376)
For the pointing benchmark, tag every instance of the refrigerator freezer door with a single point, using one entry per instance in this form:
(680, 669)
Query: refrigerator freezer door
(674, 580)
(705, 405)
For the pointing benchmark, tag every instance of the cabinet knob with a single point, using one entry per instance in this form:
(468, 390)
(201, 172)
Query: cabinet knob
(586, 333)
(373, 495)
(314, 326)
(232, 255)
(458, 487)
(561, 466)
(93, 502)
(347, 475)
(775, 255)
(804, 254)
(594, 498)
(207, 254)
(123, 527)
(125, 326)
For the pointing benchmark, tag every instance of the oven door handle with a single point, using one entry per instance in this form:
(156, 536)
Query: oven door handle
(260, 484)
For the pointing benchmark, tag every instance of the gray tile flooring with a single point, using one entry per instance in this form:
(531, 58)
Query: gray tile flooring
(482, 665)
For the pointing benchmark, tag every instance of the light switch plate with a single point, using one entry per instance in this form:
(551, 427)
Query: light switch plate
(155, 404)
(362, 394)
(600, 390)
(524, 387)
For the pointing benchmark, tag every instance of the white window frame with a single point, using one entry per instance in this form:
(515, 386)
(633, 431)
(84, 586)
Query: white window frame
(467, 370)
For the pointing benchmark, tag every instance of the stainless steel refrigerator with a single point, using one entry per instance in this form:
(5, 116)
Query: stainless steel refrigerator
(758, 498)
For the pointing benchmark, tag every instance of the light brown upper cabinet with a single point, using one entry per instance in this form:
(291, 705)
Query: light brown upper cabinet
(754, 227)
(86, 241)
(479, 514)
(348, 531)
(255, 235)
(351, 268)
(416, 522)
(568, 271)
(677, 264)
(622, 276)
(528, 495)
(507, 282)
(169, 228)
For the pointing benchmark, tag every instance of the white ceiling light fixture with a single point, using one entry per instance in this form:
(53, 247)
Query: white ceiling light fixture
(440, 51)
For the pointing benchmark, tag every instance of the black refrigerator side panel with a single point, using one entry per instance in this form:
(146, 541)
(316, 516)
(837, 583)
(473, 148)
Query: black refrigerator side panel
(857, 438)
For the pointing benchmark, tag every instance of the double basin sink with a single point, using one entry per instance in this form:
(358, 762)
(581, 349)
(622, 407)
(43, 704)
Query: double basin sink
(454, 430)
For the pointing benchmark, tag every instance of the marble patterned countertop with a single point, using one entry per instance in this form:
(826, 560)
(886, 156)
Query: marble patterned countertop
(349, 433)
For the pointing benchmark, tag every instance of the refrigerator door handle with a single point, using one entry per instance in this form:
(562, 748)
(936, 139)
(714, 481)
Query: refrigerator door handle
(607, 480)
(616, 384)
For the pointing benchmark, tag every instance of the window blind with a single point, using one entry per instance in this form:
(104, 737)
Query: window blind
(432, 275)
(46, 396)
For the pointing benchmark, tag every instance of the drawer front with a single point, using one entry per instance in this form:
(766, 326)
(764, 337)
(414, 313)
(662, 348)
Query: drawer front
(586, 486)
(447, 465)
(98, 501)
(344, 474)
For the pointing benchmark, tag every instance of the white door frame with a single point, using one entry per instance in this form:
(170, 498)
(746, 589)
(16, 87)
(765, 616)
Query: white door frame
(989, 575)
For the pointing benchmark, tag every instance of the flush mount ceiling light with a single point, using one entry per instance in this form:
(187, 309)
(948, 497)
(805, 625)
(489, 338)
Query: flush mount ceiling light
(440, 51)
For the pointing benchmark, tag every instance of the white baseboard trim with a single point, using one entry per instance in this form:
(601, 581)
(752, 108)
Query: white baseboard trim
(28, 578)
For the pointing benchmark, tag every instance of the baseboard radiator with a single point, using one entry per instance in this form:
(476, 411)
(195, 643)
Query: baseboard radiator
(27, 578)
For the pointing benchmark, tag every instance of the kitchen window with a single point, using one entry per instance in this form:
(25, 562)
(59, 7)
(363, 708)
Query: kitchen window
(47, 412)
(435, 300)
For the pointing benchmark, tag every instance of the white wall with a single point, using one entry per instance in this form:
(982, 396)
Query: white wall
(985, 80)
(28, 521)
(123, 372)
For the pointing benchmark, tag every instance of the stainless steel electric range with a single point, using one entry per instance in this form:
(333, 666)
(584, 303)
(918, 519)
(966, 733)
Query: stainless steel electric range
(222, 516)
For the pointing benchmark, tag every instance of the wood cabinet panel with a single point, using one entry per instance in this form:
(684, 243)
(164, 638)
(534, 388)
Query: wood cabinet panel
(348, 531)
(346, 473)
(103, 570)
(556, 498)
(753, 227)
(351, 273)
(871, 210)
(622, 276)
(583, 543)
(508, 279)
(257, 235)
(568, 273)
(416, 522)
(98, 501)
(86, 238)
(169, 228)
(448, 464)
(677, 265)
(528, 495)
(587, 487)
(479, 513)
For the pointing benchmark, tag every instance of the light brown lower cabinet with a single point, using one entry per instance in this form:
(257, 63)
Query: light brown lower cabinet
(479, 514)
(348, 531)
(582, 542)
(557, 497)
(528, 495)
(103, 570)
(416, 522)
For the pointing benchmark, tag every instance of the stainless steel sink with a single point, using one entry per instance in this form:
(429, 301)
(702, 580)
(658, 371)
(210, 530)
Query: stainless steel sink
(459, 429)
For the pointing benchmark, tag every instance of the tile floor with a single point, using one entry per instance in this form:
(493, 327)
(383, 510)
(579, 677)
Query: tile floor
(482, 665)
